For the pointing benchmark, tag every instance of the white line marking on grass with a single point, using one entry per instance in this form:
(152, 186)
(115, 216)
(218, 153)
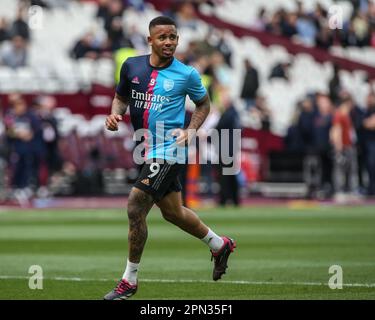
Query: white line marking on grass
(277, 283)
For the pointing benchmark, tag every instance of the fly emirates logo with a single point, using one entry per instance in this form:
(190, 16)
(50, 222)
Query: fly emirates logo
(148, 100)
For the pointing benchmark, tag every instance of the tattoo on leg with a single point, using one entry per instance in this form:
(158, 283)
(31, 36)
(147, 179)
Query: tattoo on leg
(139, 205)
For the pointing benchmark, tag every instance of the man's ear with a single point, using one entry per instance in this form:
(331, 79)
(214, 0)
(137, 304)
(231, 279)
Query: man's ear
(149, 40)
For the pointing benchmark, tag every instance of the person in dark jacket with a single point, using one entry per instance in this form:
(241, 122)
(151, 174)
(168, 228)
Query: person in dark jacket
(369, 136)
(229, 185)
(22, 127)
(280, 70)
(250, 85)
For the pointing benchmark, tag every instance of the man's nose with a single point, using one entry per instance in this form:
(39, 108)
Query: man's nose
(168, 42)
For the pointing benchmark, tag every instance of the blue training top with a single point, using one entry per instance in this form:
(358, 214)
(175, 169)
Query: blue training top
(157, 101)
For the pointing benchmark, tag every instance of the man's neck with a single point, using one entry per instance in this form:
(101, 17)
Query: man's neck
(157, 62)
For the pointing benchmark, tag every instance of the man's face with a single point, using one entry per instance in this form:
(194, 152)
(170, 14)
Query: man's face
(19, 107)
(164, 40)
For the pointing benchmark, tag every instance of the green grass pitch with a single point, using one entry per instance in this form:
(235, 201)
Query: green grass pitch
(282, 253)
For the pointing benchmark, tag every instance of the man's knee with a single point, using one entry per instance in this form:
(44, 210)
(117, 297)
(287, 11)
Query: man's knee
(171, 207)
(170, 214)
(139, 204)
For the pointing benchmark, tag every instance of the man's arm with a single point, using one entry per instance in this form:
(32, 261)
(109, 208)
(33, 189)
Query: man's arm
(200, 113)
(202, 109)
(119, 107)
(369, 123)
(336, 137)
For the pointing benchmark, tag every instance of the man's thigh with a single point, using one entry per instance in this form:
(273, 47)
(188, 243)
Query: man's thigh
(159, 179)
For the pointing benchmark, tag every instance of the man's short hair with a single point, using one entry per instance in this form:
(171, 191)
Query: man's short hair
(161, 21)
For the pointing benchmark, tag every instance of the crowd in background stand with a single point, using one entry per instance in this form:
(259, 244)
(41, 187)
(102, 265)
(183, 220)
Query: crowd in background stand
(14, 39)
(340, 136)
(30, 138)
(336, 136)
(312, 28)
(96, 44)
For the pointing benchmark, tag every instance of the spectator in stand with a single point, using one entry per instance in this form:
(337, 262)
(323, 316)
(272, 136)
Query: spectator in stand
(22, 126)
(138, 5)
(320, 16)
(372, 36)
(110, 12)
(321, 141)
(335, 85)
(345, 161)
(300, 11)
(357, 116)
(262, 113)
(370, 13)
(369, 137)
(361, 29)
(357, 4)
(261, 20)
(349, 37)
(289, 25)
(324, 39)
(221, 70)
(223, 47)
(274, 25)
(115, 11)
(14, 54)
(45, 107)
(3, 157)
(305, 124)
(89, 47)
(293, 141)
(250, 84)
(229, 184)
(280, 70)
(20, 26)
(4, 30)
(306, 29)
(185, 16)
(206, 150)
(39, 177)
(116, 35)
(102, 11)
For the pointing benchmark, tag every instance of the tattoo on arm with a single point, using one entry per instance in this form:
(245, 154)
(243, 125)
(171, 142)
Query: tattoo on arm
(119, 105)
(200, 113)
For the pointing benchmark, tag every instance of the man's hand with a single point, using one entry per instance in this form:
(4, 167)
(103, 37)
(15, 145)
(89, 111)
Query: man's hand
(112, 122)
(183, 136)
(369, 123)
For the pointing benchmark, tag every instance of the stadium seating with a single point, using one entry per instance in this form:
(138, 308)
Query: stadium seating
(52, 70)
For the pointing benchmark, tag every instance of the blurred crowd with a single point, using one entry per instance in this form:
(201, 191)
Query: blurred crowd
(334, 136)
(96, 44)
(14, 39)
(337, 138)
(313, 28)
(29, 139)
(110, 15)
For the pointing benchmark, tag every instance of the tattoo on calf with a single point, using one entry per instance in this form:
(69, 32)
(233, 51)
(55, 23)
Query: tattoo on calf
(139, 205)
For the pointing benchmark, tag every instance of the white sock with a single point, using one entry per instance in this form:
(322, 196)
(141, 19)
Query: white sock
(131, 272)
(214, 241)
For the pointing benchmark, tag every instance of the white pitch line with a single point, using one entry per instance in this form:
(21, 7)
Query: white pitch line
(277, 283)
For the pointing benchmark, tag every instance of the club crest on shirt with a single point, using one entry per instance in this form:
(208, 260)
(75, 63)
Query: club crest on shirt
(168, 84)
